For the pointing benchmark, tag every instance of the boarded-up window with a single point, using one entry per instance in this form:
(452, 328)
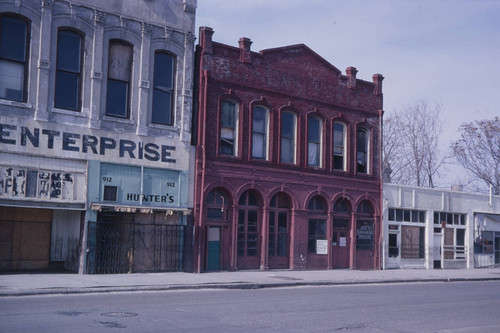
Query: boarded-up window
(412, 242)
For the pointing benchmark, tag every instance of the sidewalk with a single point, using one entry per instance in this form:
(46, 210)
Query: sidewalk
(64, 283)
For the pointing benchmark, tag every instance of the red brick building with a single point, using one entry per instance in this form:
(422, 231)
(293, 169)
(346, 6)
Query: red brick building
(287, 160)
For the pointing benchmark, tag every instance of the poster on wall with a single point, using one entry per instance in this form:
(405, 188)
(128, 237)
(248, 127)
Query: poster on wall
(321, 246)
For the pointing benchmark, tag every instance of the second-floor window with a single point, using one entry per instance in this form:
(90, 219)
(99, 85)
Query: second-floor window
(229, 129)
(288, 130)
(68, 70)
(13, 58)
(339, 146)
(314, 134)
(163, 89)
(260, 129)
(119, 74)
(362, 150)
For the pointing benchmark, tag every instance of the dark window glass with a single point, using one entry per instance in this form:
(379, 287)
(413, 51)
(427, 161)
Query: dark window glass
(364, 235)
(316, 203)
(362, 150)
(421, 216)
(163, 88)
(119, 72)
(392, 214)
(407, 214)
(228, 130)
(317, 231)
(259, 132)
(365, 207)
(287, 137)
(339, 146)
(341, 206)
(110, 193)
(68, 73)
(314, 142)
(13, 57)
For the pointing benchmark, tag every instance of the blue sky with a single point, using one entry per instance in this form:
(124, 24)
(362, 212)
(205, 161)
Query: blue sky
(440, 51)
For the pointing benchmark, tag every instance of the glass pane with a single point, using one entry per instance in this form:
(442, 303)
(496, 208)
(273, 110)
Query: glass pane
(282, 222)
(163, 72)
(228, 113)
(312, 227)
(116, 99)
(338, 139)
(399, 215)
(252, 221)
(67, 89)
(282, 245)
(271, 223)
(406, 215)
(321, 228)
(460, 237)
(338, 162)
(13, 38)
(287, 125)
(392, 214)
(69, 51)
(421, 216)
(287, 148)
(313, 154)
(162, 106)
(214, 214)
(258, 145)
(414, 215)
(259, 120)
(314, 130)
(120, 61)
(252, 199)
(241, 221)
(11, 80)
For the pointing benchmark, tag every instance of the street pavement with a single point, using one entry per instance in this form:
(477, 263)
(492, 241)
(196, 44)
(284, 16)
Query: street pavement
(24, 284)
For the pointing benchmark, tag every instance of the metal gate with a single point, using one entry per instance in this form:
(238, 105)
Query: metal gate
(118, 246)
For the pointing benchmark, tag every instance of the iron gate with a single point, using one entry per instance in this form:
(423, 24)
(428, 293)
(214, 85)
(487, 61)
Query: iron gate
(128, 247)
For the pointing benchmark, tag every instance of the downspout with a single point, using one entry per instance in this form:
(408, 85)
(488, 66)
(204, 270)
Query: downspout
(381, 237)
(202, 117)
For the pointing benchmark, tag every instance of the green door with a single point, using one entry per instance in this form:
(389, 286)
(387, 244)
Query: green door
(213, 249)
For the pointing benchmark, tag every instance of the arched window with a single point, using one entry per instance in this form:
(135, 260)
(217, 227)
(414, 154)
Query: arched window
(228, 129)
(163, 88)
(260, 132)
(339, 146)
(14, 50)
(365, 207)
(217, 204)
(68, 70)
(279, 229)
(341, 214)
(288, 134)
(317, 224)
(314, 142)
(119, 76)
(362, 150)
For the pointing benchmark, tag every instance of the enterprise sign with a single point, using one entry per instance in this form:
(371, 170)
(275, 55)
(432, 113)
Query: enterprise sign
(42, 139)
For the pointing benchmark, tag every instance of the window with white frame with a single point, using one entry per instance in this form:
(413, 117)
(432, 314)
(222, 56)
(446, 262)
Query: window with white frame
(68, 70)
(260, 130)
(119, 76)
(14, 50)
(412, 224)
(288, 130)
(163, 88)
(339, 146)
(314, 141)
(454, 225)
(362, 150)
(228, 128)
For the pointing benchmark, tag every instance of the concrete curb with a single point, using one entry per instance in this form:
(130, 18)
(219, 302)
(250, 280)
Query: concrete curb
(236, 285)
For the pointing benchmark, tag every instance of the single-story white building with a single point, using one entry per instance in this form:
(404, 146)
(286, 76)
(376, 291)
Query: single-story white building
(435, 228)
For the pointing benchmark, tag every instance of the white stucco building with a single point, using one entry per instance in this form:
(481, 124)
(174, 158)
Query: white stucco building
(432, 228)
(95, 133)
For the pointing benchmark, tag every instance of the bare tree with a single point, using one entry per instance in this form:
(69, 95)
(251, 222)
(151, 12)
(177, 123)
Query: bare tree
(411, 145)
(478, 151)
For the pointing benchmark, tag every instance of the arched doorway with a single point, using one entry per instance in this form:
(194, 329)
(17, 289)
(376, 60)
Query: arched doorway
(249, 224)
(365, 235)
(217, 230)
(341, 240)
(279, 231)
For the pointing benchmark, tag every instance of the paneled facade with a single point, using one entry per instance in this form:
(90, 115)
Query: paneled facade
(287, 160)
(95, 132)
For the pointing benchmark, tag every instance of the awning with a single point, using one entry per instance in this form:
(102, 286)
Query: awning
(139, 209)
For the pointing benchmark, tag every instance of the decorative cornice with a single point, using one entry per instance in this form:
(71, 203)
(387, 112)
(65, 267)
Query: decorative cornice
(146, 28)
(99, 17)
(46, 4)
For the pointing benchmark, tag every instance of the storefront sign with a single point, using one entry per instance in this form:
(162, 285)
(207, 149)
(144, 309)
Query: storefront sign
(89, 146)
(136, 186)
(364, 235)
